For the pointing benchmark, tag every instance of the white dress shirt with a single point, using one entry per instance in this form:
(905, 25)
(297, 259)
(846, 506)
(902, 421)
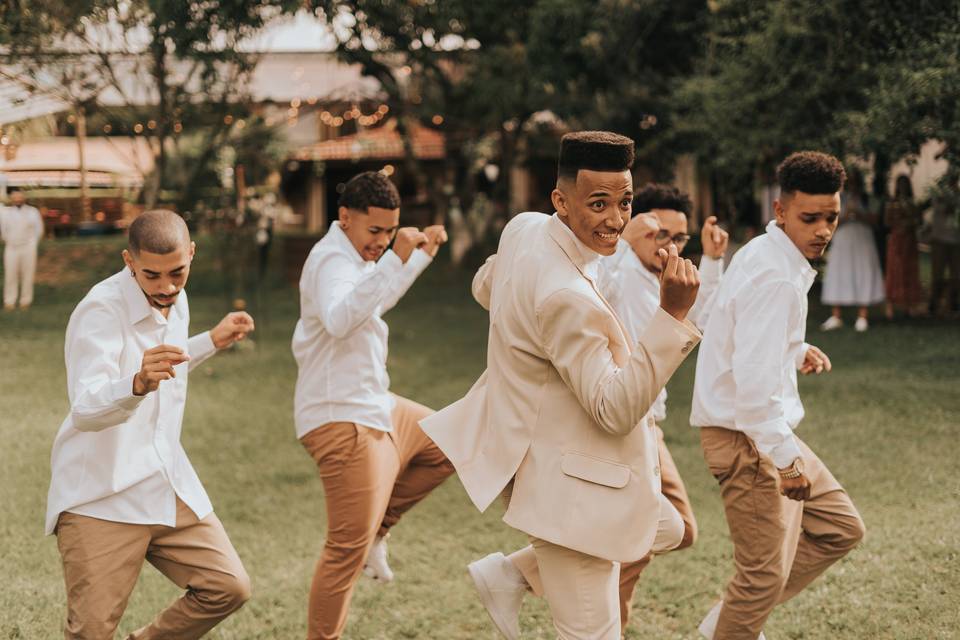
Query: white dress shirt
(340, 342)
(754, 344)
(634, 293)
(118, 456)
(21, 225)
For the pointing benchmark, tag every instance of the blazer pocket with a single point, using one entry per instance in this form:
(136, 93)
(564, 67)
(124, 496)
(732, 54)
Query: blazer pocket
(596, 470)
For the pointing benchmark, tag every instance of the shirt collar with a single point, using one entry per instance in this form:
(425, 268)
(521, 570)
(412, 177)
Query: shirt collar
(785, 244)
(583, 256)
(340, 238)
(137, 306)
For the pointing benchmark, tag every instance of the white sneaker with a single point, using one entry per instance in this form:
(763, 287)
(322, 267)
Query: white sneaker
(831, 323)
(709, 625)
(501, 592)
(861, 325)
(376, 566)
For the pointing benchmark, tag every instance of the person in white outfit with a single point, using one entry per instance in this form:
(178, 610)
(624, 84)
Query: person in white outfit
(630, 281)
(853, 278)
(21, 227)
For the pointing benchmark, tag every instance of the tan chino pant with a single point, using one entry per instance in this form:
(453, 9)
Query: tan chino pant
(102, 559)
(673, 490)
(780, 545)
(370, 479)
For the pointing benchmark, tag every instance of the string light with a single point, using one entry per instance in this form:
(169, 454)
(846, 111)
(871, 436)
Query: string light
(138, 128)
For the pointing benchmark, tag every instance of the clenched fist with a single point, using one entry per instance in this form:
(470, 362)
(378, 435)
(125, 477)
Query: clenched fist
(233, 328)
(436, 236)
(157, 366)
(408, 239)
(679, 283)
(713, 238)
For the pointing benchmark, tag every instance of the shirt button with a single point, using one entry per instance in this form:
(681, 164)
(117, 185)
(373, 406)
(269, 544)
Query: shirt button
(656, 471)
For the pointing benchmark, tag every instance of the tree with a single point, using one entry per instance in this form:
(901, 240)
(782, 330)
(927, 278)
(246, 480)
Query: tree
(845, 77)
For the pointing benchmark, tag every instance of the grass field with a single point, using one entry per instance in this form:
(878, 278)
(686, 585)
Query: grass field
(886, 421)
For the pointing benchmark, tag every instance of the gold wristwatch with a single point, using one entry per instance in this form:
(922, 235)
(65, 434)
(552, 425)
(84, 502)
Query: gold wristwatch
(795, 470)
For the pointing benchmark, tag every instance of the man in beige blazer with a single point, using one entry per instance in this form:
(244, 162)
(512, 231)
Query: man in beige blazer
(559, 416)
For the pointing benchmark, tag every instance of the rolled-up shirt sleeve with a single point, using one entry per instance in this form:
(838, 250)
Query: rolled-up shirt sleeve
(761, 339)
(101, 395)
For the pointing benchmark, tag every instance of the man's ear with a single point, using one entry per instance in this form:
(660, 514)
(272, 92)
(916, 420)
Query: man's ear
(344, 217)
(779, 212)
(193, 249)
(559, 200)
(128, 259)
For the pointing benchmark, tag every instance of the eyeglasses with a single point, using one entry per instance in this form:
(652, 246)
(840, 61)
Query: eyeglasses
(681, 239)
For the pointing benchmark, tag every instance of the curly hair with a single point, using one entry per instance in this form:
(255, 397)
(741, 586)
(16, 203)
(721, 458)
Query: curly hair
(594, 151)
(811, 172)
(369, 189)
(661, 196)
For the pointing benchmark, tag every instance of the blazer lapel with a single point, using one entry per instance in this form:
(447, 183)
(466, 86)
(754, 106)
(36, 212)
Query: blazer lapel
(562, 237)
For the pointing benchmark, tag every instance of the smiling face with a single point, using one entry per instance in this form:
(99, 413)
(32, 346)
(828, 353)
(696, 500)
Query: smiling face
(161, 276)
(371, 231)
(809, 220)
(595, 206)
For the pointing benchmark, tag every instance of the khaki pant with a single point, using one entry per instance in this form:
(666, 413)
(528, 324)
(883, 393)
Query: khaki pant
(780, 545)
(19, 267)
(102, 559)
(370, 478)
(673, 490)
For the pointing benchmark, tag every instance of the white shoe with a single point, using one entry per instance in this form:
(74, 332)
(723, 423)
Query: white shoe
(709, 625)
(861, 325)
(831, 323)
(376, 566)
(501, 592)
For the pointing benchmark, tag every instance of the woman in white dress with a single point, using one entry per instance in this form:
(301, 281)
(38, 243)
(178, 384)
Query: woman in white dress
(854, 278)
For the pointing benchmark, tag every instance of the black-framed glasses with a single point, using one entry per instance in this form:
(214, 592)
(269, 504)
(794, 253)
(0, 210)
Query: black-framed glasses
(680, 239)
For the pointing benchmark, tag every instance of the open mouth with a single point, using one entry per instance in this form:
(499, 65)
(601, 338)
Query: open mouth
(607, 238)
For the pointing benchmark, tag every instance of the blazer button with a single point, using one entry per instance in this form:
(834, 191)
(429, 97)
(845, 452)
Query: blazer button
(685, 350)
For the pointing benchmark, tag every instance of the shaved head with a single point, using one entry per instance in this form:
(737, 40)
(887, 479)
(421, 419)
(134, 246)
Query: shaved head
(158, 231)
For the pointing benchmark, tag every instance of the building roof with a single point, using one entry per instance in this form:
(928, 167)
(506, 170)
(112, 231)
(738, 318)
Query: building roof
(109, 161)
(381, 143)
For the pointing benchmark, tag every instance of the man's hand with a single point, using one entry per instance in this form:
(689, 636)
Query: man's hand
(157, 366)
(679, 283)
(713, 238)
(233, 328)
(815, 361)
(436, 236)
(795, 488)
(408, 239)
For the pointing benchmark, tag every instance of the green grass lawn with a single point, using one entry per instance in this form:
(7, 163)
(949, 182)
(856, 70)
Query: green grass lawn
(886, 421)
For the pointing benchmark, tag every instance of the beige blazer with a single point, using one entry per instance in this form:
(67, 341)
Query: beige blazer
(561, 407)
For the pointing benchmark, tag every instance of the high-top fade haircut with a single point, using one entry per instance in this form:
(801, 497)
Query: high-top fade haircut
(158, 231)
(811, 172)
(661, 196)
(369, 189)
(594, 151)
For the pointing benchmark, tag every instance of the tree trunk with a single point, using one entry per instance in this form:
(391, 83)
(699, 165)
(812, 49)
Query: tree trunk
(159, 69)
(85, 211)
